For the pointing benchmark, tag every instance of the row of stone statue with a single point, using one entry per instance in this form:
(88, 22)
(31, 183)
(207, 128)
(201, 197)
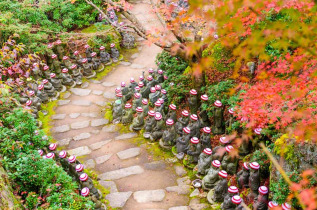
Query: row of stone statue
(75, 169)
(188, 137)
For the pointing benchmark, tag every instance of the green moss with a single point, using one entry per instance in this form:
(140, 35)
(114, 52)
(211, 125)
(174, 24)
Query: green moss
(7, 198)
(46, 119)
(108, 114)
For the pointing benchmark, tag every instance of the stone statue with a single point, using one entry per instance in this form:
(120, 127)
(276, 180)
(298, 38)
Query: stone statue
(128, 40)
(48, 54)
(88, 72)
(85, 181)
(182, 122)
(46, 71)
(221, 187)
(229, 162)
(77, 75)
(95, 61)
(204, 161)
(245, 147)
(227, 203)
(42, 94)
(88, 52)
(138, 122)
(252, 67)
(56, 65)
(160, 77)
(193, 102)
(67, 62)
(151, 81)
(112, 16)
(149, 124)
(137, 101)
(117, 111)
(104, 56)
(237, 202)
(77, 57)
(254, 179)
(204, 120)
(172, 112)
(157, 131)
(59, 49)
(36, 101)
(262, 200)
(154, 95)
(133, 84)
(182, 142)
(56, 82)
(205, 138)
(163, 95)
(231, 119)
(49, 89)
(212, 176)
(218, 127)
(169, 135)
(114, 53)
(243, 176)
(272, 204)
(66, 78)
(145, 106)
(194, 150)
(220, 150)
(194, 126)
(158, 106)
(127, 114)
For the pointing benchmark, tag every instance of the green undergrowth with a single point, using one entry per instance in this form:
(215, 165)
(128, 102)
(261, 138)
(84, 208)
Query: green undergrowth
(108, 113)
(46, 119)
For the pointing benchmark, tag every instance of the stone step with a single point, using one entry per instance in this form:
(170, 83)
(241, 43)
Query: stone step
(81, 102)
(99, 122)
(180, 190)
(118, 199)
(82, 136)
(80, 124)
(99, 144)
(121, 173)
(147, 196)
(80, 151)
(180, 208)
(61, 129)
(80, 91)
(126, 136)
(58, 116)
(129, 153)
(102, 159)
(63, 102)
(111, 185)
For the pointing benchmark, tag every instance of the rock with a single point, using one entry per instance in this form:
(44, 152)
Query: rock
(147, 196)
(125, 63)
(137, 66)
(67, 95)
(61, 129)
(109, 95)
(80, 91)
(118, 199)
(110, 185)
(95, 131)
(90, 163)
(85, 85)
(195, 204)
(195, 193)
(100, 103)
(74, 115)
(63, 102)
(172, 160)
(95, 81)
(135, 55)
(126, 136)
(82, 136)
(80, 124)
(99, 122)
(129, 153)
(155, 166)
(183, 181)
(81, 103)
(108, 84)
(121, 173)
(109, 128)
(180, 208)
(102, 159)
(180, 171)
(91, 114)
(64, 142)
(97, 92)
(98, 145)
(58, 116)
(181, 190)
(80, 151)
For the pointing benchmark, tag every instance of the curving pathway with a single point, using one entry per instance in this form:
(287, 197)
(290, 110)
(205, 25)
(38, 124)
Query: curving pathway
(135, 180)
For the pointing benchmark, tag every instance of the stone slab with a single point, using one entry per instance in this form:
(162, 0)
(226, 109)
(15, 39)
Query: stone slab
(80, 91)
(180, 190)
(194, 193)
(180, 208)
(137, 66)
(80, 124)
(135, 55)
(109, 95)
(183, 181)
(98, 145)
(108, 84)
(84, 85)
(155, 166)
(67, 95)
(63, 102)
(90, 114)
(102, 159)
(82, 136)
(81, 102)
(147, 196)
(109, 128)
(125, 63)
(61, 129)
(100, 103)
(96, 131)
(99, 122)
(80, 151)
(64, 142)
(97, 92)
(58, 116)
(180, 171)
(126, 136)
(121, 173)
(90, 163)
(118, 199)
(129, 153)
(111, 185)
(95, 81)
(74, 115)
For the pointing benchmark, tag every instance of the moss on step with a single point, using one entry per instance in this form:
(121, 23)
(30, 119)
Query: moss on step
(46, 119)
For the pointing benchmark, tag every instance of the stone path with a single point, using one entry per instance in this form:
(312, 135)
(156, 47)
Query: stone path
(134, 179)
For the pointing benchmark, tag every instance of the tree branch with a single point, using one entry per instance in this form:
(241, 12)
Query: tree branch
(157, 14)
